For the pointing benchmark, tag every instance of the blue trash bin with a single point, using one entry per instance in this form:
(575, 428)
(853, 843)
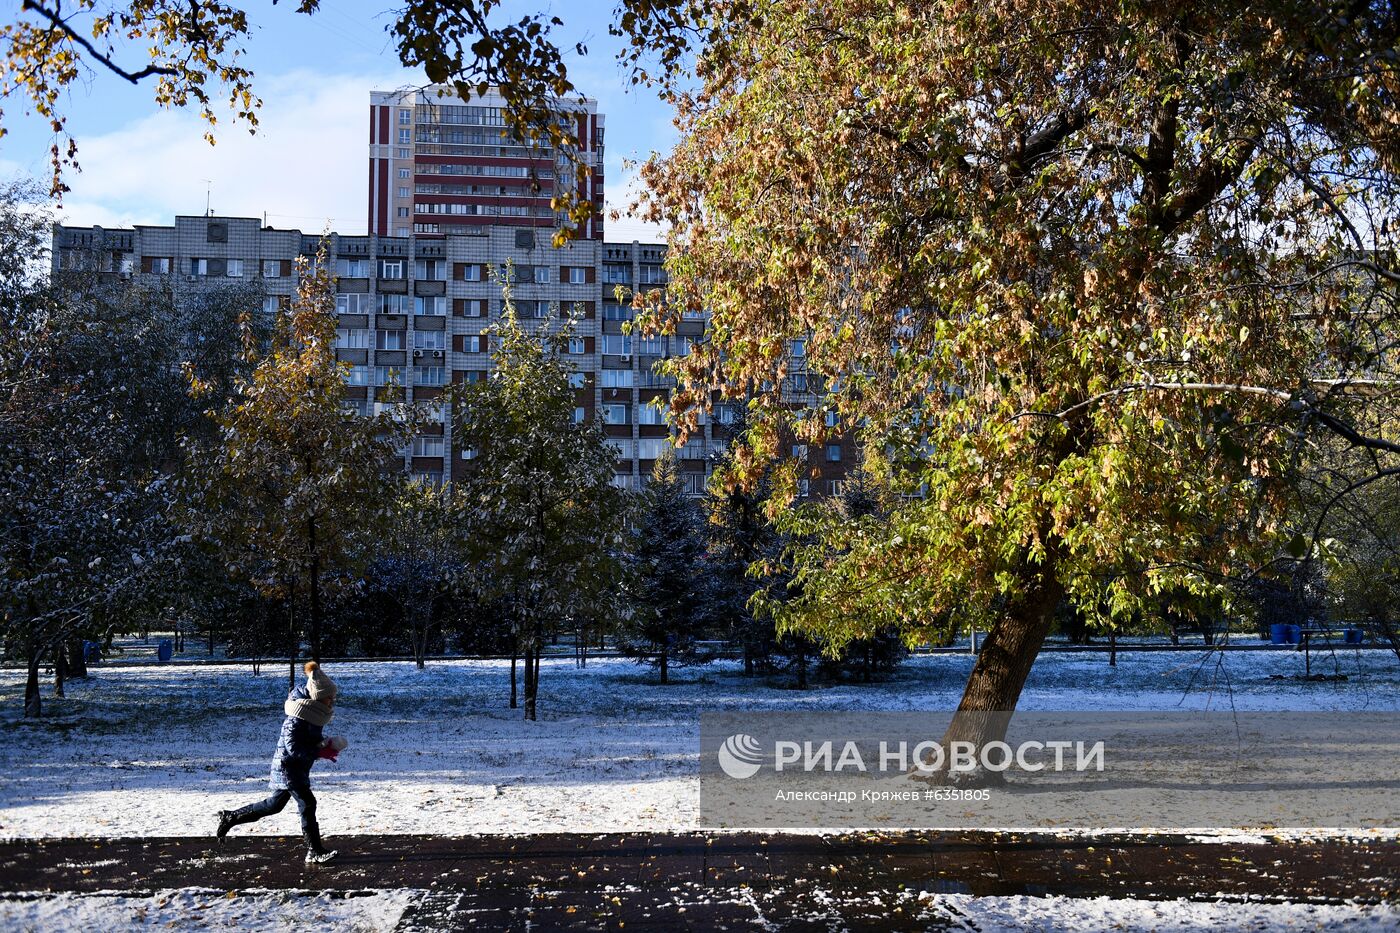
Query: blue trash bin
(165, 650)
(92, 652)
(1278, 633)
(1295, 634)
(1351, 636)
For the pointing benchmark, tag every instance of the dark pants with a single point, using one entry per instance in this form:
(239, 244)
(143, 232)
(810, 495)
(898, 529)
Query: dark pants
(306, 805)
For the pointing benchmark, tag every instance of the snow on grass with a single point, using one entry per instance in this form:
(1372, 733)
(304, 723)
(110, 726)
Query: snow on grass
(1053, 914)
(141, 750)
(202, 909)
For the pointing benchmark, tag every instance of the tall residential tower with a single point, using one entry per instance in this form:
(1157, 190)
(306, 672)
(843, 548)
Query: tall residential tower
(439, 164)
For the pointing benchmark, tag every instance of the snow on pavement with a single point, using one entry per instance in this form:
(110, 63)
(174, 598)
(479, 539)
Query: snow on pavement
(140, 750)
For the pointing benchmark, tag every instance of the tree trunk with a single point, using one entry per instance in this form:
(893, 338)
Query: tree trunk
(867, 665)
(315, 563)
(748, 660)
(663, 665)
(801, 665)
(531, 680)
(1008, 653)
(33, 703)
(292, 646)
(1113, 649)
(60, 670)
(77, 658)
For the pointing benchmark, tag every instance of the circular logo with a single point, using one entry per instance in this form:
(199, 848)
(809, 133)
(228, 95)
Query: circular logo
(740, 756)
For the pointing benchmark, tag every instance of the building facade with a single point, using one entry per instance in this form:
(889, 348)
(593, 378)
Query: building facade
(414, 311)
(440, 165)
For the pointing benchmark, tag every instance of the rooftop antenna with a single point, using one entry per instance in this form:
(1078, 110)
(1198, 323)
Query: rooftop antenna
(208, 194)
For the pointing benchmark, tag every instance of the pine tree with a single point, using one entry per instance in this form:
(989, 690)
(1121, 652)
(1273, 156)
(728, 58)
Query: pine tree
(668, 576)
(539, 500)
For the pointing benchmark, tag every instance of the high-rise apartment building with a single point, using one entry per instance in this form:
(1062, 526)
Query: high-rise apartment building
(441, 165)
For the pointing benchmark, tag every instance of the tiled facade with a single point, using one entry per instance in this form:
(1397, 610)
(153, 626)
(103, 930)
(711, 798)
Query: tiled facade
(415, 310)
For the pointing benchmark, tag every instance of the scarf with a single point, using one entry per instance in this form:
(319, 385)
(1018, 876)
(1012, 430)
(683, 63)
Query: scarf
(314, 712)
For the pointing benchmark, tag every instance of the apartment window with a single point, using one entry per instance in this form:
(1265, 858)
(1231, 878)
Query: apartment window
(405, 136)
(623, 447)
(401, 231)
(431, 270)
(651, 448)
(405, 173)
(355, 406)
(580, 414)
(357, 376)
(804, 488)
(622, 480)
(469, 272)
(542, 276)
(831, 419)
(391, 268)
(653, 275)
(352, 268)
(799, 382)
(430, 339)
(394, 304)
(799, 451)
(725, 414)
(429, 375)
(430, 305)
(612, 311)
(833, 453)
(577, 345)
(578, 275)
(427, 446)
(578, 380)
(404, 153)
(615, 414)
(388, 340)
(798, 348)
(473, 375)
(618, 344)
(403, 191)
(271, 269)
(615, 378)
(474, 343)
(352, 338)
(384, 375)
(158, 265)
(614, 274)
(234, 269)
(271, 304)
(652, 346)
(537, 310)
(403, 212)
(473, 307)
(405, 116)
(650, 414)
(352, 303)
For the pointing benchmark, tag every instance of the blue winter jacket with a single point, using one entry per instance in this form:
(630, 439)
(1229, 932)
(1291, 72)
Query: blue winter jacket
(297, 748)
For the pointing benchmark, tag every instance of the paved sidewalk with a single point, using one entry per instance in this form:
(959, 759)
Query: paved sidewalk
(713, 881)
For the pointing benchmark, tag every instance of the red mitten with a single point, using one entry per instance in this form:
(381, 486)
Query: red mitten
(328, 751)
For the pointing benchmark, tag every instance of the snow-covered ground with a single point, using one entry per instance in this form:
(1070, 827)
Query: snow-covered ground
(156, 750)
(362, 912)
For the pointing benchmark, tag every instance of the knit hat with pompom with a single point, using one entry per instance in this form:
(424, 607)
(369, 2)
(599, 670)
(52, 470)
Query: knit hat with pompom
(319, 686)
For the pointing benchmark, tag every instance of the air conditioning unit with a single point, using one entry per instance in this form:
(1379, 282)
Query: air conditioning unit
(437, 354)
(626, 357)
(191, 278)
(417, 354)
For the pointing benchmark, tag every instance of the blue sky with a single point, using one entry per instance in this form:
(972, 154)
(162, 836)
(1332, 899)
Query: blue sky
(306, 165)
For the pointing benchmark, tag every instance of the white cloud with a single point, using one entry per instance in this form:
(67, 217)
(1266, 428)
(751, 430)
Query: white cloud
(305, 167)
